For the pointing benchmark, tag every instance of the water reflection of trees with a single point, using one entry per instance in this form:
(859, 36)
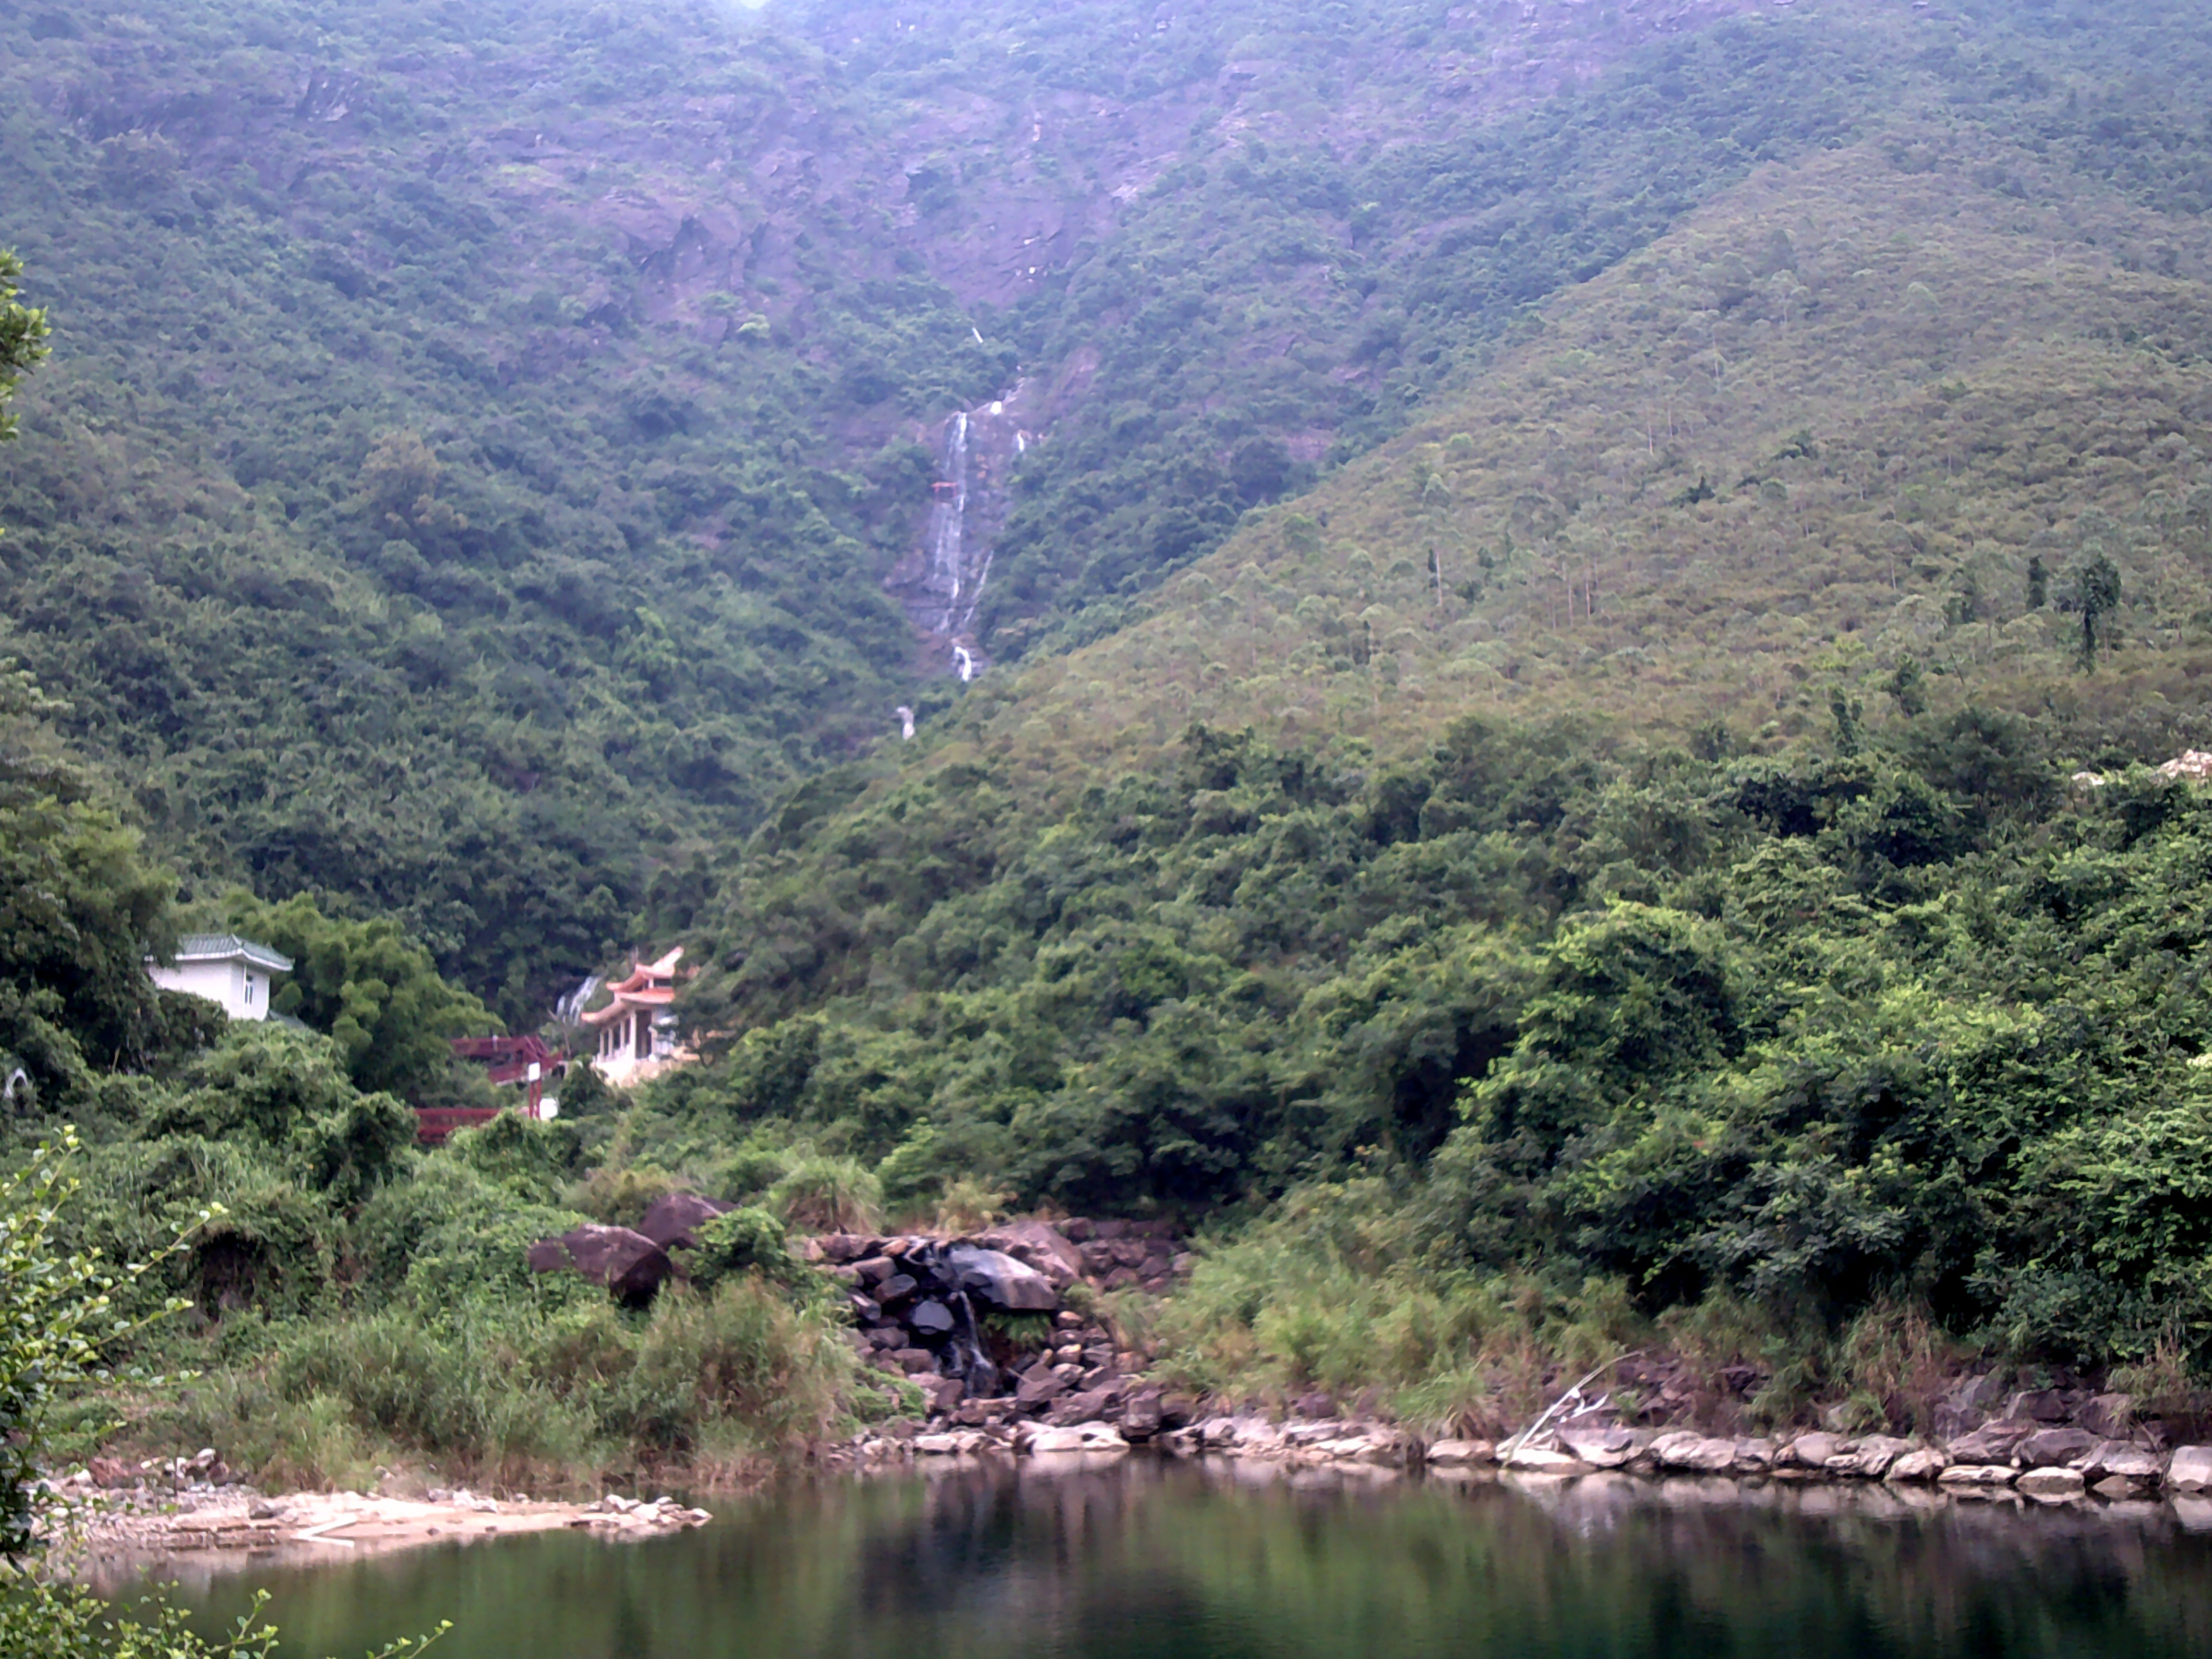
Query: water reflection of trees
(1147, 1561)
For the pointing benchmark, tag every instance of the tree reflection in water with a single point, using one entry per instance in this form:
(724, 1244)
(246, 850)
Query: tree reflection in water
(1143, 1559)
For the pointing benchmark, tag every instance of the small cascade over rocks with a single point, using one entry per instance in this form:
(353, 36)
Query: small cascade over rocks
(982, 1324)
(941, 580)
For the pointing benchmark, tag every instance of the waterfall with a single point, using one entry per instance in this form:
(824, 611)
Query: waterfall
(950, 529)
(941, 579)
(965, 1354)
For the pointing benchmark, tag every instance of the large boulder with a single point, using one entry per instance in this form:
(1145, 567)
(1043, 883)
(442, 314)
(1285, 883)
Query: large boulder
(1448, 1454)
(1001, 1281)
(1813, 1452)
(1870, 1459)
(2110, 1416)
(631, 1266)
(1968, 1405)
(1038, 1246)
(1693, 1454)
(2051, 1485)
(1039, 1389)
(2038, 1404)
(673, 1222)
(1979, 1474)
(2121, 1460)
(1142, 1417)
(1090, 1405)
(1602, 1448)
(1993, 1443)
(2048, 1448)
(1924, 1464)
(1043, 1440)
(1544, 1460)
(2189, 1469)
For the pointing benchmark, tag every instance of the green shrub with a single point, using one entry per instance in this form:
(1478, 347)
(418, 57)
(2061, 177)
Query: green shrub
(619, 1197)
(747, 1239)
(739, 1370)
(533, 1160)
(467, 1235)
(828, 1195)
(274, 1249)
(467, 1391)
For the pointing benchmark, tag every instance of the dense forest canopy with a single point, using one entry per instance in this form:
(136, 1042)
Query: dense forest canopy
(1580, 625)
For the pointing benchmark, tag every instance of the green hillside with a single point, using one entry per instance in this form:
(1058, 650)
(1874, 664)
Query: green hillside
(1826, 424)
(392, 524)
(1568, 564)
(478, 438)
(1615, 841)
(1680, 513)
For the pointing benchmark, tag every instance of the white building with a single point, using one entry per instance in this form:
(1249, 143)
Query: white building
(637, 1028)
(228, 971)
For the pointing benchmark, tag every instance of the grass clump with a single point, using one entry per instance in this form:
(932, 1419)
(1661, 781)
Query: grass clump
(826, 1194)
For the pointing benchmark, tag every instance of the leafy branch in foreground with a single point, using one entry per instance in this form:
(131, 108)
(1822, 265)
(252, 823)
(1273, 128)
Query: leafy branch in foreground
(60, 1313)
(58, 1321)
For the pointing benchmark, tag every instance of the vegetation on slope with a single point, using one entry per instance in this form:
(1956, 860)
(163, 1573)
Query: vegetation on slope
(378, 521)
(1843, 418)
(1624, 870)
(468, 478)
(1604, 866)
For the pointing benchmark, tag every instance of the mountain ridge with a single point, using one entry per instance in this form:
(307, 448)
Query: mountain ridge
(2115, 401)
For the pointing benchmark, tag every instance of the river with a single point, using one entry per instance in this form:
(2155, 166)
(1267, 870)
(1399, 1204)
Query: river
(1147, 1559)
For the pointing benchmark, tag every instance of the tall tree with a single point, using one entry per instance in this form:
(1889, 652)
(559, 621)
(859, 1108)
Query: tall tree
(22, 338)
(2097, 588)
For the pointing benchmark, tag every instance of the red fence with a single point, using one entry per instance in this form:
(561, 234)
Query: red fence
(433, 1123)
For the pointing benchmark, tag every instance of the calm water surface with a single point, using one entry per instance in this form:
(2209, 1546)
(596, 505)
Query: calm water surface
(1148, 1560)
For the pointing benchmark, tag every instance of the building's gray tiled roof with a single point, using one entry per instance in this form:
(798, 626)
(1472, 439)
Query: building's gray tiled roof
(222, 947)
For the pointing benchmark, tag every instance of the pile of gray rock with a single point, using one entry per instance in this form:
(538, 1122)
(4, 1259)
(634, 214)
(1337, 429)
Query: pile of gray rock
(991, 1327)
(2048, 1444)
(614, 1513)
(201, 1471)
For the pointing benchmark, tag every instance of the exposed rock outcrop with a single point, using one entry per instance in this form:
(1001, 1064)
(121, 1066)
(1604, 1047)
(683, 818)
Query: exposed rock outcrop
(982, 1323)
(631, 1266)
(672, 1223)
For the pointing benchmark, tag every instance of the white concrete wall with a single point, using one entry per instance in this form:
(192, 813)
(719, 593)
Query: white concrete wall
(241, 989)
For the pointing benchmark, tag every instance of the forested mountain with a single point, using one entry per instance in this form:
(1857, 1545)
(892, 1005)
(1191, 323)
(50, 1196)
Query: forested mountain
(1620, 838)
(1547, 574)
(480, 434)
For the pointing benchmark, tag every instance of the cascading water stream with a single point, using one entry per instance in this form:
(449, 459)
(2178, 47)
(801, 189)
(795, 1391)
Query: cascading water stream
(966, 1356)
(948, 530)
(942, 579)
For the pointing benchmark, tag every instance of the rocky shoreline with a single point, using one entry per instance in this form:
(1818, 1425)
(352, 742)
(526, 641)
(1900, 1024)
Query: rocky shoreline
(2017, 1458)
(1080, 1393)
(2050, 1445)
(2111, 1472)
(157, 1518)
(1007, 1335)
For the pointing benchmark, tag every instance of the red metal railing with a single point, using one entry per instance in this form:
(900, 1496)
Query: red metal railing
(510, 1059)
(433, 1123)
